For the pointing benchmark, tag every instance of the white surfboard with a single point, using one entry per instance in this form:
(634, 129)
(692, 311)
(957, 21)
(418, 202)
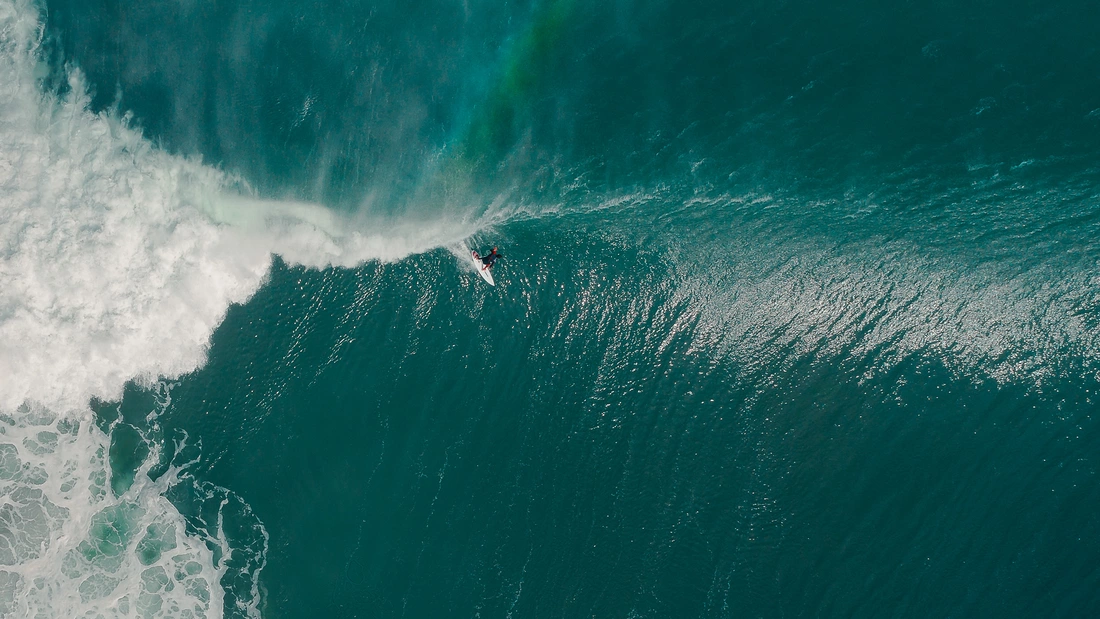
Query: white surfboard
(481, 269)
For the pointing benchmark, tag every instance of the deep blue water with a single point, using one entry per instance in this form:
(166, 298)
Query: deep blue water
(798, 315)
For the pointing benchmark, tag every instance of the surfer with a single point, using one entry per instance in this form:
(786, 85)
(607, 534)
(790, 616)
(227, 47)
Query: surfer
(491, 259)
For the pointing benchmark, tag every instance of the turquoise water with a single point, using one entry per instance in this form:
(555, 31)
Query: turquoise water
(798, 315)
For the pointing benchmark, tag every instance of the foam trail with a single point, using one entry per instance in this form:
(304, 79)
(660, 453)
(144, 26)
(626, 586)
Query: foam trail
(117, 262)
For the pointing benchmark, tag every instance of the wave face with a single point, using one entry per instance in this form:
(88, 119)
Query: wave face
(798, 314)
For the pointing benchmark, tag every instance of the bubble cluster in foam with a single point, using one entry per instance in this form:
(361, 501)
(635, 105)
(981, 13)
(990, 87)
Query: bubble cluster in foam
(71, 547)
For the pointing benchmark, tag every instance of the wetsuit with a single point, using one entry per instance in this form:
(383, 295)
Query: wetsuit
(490, 259)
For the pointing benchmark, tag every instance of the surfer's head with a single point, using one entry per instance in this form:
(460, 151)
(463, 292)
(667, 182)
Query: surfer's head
(494, 250)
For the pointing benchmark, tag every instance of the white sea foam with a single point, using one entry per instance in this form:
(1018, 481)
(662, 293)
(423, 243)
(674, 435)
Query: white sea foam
(117, 262)
(106, 275)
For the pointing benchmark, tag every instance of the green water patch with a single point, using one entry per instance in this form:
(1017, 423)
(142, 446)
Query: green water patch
(506, 111)
(158, 539)
(129, 447)
(129, 451)
(110, 533)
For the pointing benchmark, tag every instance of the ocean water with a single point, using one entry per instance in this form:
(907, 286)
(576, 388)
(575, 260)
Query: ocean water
(799, 314)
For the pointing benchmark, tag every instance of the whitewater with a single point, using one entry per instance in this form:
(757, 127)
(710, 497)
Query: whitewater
(119, 261)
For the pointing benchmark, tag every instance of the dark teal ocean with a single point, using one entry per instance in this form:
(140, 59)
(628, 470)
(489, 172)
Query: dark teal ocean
(798, 316)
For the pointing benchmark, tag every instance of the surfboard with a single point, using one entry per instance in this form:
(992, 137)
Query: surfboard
(483, 272)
